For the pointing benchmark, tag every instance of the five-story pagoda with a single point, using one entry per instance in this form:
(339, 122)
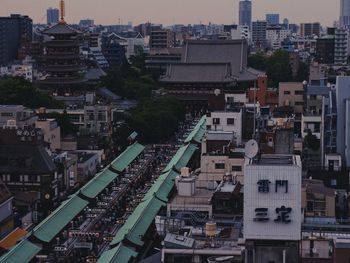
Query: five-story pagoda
(62, 64)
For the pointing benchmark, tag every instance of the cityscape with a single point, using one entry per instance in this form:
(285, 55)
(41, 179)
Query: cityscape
(174, 143)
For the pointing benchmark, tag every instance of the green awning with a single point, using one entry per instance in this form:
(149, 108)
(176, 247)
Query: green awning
(95, 186)
(138, 223)
(197, 132)
(163, 186)
(181, 158)
(119, 254)
(24, 252)
(58, 219)
(127, 157)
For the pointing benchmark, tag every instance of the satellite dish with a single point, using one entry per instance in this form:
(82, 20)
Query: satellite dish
(217, 92)
(251, 149)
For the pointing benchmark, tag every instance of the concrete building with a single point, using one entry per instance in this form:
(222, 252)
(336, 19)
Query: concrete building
(344, 19)
(310, 29)
(27, 169)
(315, 249)
(98, 119)
(52, 15)
(341, 250)
(87, 165)
(259, 33)
(216, 165)
(240, 32)
(15, 31)
(314, 98)
(226, 122)
(325, 50)
(272, 208)
(291, 94)
(92, 119)
(317, 200)
(275, 35)
(67, 170)
(333, 162)
(343, 118)
(341, 46)
(51, 132)
(17, 115)
(245, 13)
(272, 19)
(24, 71)
(161, 39)
(311, 123)
(86, 23)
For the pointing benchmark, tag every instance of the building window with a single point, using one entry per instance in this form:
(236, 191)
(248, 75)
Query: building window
(6, 114)
(299, 103)
(219, 166)
(299, 92)
(216, 121)
(313, 97)
(230, 121)
(236, 168)
(287, 92)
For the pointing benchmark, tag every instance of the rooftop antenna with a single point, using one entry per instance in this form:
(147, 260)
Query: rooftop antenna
(62, 12)
(251, 149)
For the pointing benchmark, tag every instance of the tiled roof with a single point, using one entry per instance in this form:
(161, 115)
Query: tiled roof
(60, 29)
(217, 51)
(25, 159)
(199, 72)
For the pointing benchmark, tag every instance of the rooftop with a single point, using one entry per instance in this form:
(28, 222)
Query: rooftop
(275, 160)
(83, 157)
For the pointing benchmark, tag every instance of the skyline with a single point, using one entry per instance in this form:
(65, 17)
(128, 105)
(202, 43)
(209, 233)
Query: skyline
(157, 11)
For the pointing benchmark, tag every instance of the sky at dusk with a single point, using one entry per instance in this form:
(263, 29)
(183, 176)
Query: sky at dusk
(175, 11)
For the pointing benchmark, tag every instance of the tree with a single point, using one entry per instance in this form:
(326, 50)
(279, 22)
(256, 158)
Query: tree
(277, 66)
(63, 121)
(17, 90)
(155, 120)
(258, 61)
(303, 72)
(311, 141)
(132, 80)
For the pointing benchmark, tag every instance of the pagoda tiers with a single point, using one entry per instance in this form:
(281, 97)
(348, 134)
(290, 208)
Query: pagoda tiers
(62, 62)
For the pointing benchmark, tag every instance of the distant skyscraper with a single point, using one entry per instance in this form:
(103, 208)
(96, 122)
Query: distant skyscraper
(245, 13)
(15, 31)
(272, 19)
(344, 13)
(52, 16)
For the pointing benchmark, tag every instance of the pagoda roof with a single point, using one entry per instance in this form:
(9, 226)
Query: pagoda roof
(61, 29)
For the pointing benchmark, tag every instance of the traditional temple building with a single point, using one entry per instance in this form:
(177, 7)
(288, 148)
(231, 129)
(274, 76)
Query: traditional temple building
(208, 67)
(62, 64)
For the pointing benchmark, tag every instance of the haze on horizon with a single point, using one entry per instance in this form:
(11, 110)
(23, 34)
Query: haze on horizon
(175, 11)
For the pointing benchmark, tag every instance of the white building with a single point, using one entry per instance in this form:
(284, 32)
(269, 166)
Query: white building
(272, 198)
(341, 46)
(51, 131)
(240, 32)
(228, 122)
(312, 123)
(25, 71)
(275, 36)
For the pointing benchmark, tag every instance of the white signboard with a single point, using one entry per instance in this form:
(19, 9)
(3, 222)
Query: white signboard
(272, 201)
